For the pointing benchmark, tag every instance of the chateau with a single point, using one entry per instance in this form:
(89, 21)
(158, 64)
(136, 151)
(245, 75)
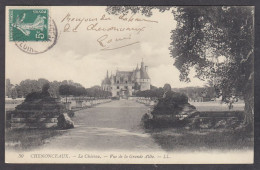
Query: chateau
(125, 83)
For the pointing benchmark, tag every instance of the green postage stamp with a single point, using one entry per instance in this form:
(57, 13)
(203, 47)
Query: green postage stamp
(28, 24)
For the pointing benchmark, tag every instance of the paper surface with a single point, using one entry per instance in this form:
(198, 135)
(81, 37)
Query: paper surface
(86, 44)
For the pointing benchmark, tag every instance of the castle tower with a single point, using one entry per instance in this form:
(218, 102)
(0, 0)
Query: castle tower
(137, 74)
(145, 81)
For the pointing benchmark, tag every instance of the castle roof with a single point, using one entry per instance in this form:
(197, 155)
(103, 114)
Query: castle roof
(106, 81)
(144, 74)
(124, 73)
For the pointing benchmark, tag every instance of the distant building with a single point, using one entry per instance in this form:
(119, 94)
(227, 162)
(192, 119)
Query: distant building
(124, 83)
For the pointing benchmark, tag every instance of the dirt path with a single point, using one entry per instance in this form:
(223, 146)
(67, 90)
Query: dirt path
(110, 126)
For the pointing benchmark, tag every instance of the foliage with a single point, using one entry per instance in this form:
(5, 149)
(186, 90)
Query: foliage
(28, 86)
(153, 93)
(153, 87)
(8, 87)
(14, 93)
(67, 90)
(176, 97)
(55, 89)
(167, 87)
(96, 91)
(218, 42)
(194, 93)
(172, 103)
(145, 10)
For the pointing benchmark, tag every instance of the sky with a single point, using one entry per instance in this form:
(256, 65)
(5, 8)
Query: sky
(78, 56)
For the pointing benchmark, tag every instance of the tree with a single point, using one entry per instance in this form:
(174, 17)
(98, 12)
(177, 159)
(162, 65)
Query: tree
(167, 87)
(19, 91)
(29, 86)
(8, 87)
(218, 42)
(65, 90)
(153, 87)
(153, 93)
(14, 93)
(80, 91)
(54, 88)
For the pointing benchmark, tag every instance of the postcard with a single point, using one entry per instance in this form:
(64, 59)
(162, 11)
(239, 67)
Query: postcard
(129, 84)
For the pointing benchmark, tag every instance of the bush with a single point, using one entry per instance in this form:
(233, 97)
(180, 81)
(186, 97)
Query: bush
(172, 103)
(177, 97)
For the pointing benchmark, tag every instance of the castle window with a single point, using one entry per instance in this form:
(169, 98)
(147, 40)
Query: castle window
(117, 87)
(117, 82)
(126, 87)
(125, 81)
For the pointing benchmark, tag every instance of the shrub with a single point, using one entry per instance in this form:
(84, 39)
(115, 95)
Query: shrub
(178, 97)
(171, 103)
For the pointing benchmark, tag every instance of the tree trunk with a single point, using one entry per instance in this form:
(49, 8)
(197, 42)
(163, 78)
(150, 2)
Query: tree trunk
(249, 111)
(249, 103)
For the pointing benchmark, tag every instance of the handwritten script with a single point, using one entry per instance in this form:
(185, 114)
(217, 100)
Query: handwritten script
(112, 32)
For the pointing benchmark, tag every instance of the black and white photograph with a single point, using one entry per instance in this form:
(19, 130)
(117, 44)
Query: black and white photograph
(129, 84)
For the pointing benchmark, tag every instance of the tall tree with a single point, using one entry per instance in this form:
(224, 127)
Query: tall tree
(219, 43)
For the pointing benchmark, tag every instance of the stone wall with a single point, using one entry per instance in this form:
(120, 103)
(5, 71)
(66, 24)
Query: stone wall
(85, 103)
(29, 120)
(46, 118)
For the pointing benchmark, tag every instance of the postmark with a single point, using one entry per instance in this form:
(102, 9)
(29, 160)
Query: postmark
(38, 47)
(28, 24)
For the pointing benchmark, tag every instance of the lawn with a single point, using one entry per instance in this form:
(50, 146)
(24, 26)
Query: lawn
(10, 107)
(217, 106)
(173, 139)
(27, 139)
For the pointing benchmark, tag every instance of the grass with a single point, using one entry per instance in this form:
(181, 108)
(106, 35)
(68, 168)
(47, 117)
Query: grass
(173, 139)
(27, 139)
(10, 107)
(217, 106)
